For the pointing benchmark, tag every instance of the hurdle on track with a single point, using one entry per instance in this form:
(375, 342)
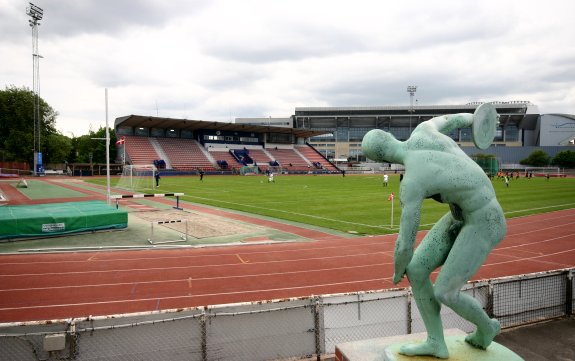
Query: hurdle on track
(183, 236)
(117, 197)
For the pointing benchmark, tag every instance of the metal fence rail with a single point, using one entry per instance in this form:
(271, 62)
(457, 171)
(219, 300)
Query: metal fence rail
(277, 330)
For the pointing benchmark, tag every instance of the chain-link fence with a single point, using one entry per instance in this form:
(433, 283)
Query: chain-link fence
(278, 330)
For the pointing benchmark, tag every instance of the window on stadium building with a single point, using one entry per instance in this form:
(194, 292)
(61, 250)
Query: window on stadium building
(512, 133)
(279, 138)
(454, 134)
(328, 136)
(465, 135)
(400, 133)
(357, 134)
(214, 137)
(342, 134)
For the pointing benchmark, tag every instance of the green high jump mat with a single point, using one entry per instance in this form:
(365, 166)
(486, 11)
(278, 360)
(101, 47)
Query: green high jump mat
(43, 220)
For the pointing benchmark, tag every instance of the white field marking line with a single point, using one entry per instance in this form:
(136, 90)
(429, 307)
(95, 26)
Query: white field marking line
(189, 279)
(288, 212)
(355, 244)
(192, 266)
(353, 223)
(198, 295)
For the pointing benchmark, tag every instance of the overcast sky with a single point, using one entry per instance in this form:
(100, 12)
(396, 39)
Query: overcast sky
(219, 60)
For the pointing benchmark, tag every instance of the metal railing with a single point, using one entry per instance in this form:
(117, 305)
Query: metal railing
(275, 330)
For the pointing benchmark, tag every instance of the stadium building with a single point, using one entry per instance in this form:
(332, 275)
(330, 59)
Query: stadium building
(182, 145)
(318, 138)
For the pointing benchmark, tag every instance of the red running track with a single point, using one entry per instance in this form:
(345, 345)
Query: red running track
(65, 285)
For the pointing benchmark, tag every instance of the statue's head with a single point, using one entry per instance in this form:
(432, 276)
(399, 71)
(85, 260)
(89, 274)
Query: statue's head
(381, 146)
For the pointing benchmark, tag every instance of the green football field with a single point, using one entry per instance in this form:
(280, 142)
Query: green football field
(355, 203)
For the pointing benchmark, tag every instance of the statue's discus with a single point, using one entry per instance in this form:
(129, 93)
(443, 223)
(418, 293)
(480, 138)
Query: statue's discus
(484, 125)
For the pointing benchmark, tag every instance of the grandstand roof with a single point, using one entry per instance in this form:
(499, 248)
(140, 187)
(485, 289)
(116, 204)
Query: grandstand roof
(187, 124)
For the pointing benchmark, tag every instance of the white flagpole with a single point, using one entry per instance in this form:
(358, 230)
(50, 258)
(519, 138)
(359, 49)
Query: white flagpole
(107, 152)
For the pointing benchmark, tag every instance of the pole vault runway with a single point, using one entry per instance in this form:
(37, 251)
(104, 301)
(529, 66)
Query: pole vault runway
(66, 285)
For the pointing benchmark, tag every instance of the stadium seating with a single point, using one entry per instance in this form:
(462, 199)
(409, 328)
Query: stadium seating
(185, 154)
(259, 156)
(140, 150)
(188, 155)
(289, 159)
(224, 154)
(313, 156)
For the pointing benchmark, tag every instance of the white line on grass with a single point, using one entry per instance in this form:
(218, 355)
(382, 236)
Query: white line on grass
(289, 212)
(539, 208)
(355, 223)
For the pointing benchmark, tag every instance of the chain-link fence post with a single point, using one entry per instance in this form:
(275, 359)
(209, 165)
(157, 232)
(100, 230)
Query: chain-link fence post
(73, 347)
(204, 336)
(489, 305)
(569, 293)
(409, 313)
(317, 327)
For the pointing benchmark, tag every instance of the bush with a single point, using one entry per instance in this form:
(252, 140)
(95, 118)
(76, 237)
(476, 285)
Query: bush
(537, 158)
(565, 159)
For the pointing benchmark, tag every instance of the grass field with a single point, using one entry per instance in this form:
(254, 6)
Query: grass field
(355, 203)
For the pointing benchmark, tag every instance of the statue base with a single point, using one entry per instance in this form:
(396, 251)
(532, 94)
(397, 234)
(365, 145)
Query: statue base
(387, 349)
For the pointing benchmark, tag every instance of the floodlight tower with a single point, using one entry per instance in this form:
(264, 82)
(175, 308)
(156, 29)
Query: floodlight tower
(36, 13)
(411, 89)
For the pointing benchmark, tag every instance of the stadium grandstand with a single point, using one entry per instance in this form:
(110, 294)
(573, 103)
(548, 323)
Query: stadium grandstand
(187, 146)
(317, 139)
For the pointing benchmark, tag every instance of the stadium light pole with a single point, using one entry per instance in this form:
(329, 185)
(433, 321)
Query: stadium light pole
(411, 89)
(36, 14)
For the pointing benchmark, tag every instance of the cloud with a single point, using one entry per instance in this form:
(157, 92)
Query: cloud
(221, 59)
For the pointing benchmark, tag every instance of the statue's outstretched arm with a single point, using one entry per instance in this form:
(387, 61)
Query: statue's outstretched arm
(447, 123)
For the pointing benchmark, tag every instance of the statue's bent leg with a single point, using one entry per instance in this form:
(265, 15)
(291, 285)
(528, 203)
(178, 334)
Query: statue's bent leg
(430, 254)
(470, 250)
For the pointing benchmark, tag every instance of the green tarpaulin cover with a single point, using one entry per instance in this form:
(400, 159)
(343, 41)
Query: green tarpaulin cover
(59, 218)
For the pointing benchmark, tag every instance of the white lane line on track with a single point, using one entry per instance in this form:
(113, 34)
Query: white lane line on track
(198, 295)
(185, 281)
(193, 266)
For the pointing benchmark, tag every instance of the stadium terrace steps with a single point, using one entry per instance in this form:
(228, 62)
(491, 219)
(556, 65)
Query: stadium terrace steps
(185, 154)
(289, 158)
(311, 154)
(260, 157)
(140, 150)
(222, 154)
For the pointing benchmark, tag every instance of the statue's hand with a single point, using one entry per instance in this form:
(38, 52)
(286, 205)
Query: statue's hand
(397, 278)
(401, 260)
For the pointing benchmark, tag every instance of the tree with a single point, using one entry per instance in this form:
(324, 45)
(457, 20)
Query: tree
(537, 158)
(94, 144)
(58, 148)
(565, 159)
(17, 123)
